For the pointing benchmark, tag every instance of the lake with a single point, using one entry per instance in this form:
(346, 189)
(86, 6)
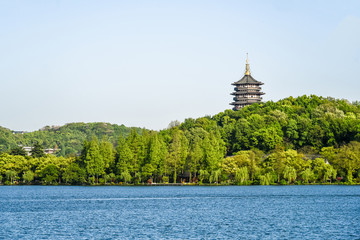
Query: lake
(180, 212)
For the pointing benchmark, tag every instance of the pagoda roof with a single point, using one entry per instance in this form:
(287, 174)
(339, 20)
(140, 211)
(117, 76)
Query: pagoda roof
(247, 79)
(247, 92)
(246, 101)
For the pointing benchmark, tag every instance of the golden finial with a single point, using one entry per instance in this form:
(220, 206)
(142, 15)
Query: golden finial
(247, 71)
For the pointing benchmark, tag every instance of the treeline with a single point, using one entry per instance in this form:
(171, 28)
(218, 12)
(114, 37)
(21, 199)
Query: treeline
(172, 157)
(68, 139)
(301, 140)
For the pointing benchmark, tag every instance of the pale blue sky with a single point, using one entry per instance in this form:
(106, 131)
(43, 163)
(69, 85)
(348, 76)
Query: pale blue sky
(146, 63)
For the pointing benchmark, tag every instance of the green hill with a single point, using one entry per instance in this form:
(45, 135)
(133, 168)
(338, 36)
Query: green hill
(295, 123)
(69, 138)
(308, 139)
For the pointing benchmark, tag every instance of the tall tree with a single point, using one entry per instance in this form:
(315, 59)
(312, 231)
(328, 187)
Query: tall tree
(94, 162)
(177, 152)
(195, 157)
(107, 154)
(124, 158)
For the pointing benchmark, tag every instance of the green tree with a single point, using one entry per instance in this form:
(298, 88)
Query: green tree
(93, 159)
(156, 155)
(214, 176)
(177, 152)
(203, 175)
(37, 151)
(242, 175)
(11, 176)
(348, 158)
(124, 157)
(307, 175)
(277, 161)
(73, 174)
(125, 176)
(290, 174)
(266, 179)
(28, 176)
(107, 154)
(195, 157)
(18, 151)
(319, 168)
(214, 151)
(49, 174)
(330, 173)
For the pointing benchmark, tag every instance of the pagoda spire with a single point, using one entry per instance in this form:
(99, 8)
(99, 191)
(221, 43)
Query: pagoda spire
(247, 70)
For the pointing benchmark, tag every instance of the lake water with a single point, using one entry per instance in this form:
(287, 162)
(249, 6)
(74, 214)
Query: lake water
(188, 212)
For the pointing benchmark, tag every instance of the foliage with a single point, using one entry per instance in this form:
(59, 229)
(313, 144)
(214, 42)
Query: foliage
(308, 139)
(68, 138)
(37, 151)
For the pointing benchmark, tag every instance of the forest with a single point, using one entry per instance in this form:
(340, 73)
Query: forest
(303, 140)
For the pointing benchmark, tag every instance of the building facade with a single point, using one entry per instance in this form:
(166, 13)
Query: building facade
(247, 90)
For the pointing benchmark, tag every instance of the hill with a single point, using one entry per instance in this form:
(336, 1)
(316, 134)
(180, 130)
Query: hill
(69, 138)
(308, 139)
(294, 123)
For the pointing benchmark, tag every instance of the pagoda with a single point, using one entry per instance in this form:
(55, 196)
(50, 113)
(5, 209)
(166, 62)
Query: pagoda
(247, 90)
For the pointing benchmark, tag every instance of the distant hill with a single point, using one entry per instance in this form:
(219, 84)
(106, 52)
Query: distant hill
(69, 138)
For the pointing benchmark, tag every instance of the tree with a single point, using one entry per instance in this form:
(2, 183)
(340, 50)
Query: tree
(18, 151)
(147, 170)
(319, 168)
(135, 144)
(155, 157)
(28, 176)
(241, 135)
(307, 175)
(50, 174)
(73, 174)
(276, 160)
(124, 157)
(107, 154)
(330, 173)
(292, 131)
(177, 152)
(125, 175)
(214, 177)
(11, 176)
(195, 157)
(242, 175)
(214, 150)
(37, 151)
(266, 179)
(267, 138)
(348, 158)
(93, 159)
(290, 174)
(203, 175)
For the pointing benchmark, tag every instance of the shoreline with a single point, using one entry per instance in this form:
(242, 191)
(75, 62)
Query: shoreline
(182, 185)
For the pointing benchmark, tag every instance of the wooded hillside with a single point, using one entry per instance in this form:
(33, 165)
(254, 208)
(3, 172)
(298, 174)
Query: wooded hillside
(308, 139)
(69, 138)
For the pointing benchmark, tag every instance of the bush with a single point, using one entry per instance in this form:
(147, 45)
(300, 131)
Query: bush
(283, 182)
(165, 179)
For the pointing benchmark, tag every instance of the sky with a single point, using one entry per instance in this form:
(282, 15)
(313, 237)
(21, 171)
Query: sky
(147, 63)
